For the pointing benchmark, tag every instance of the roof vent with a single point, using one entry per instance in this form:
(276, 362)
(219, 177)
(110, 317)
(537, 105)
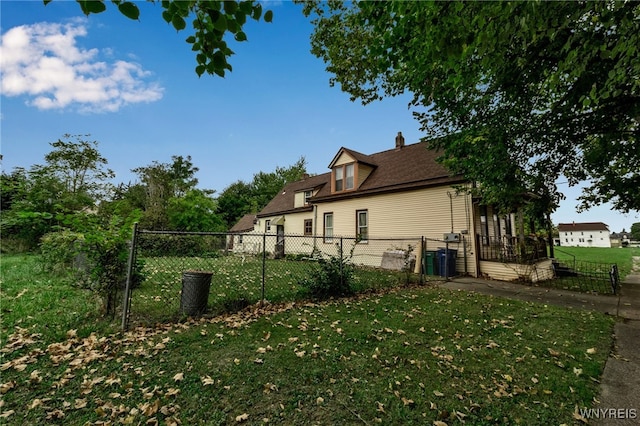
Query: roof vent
(399, 140)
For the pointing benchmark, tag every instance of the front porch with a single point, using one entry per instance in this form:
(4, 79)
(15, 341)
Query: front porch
(509, 258)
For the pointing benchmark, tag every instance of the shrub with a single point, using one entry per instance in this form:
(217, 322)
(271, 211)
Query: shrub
(332, 277)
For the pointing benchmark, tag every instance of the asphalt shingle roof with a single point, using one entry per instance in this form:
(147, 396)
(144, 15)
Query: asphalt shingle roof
(410, 167)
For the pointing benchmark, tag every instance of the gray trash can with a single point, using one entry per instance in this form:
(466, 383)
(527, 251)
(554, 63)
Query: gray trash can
(195, 292)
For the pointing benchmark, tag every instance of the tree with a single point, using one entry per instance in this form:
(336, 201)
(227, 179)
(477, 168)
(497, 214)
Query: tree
(515, 94)
(635, 231)
(78, 164)
(195, 212)
(212, 20)
(53, 195)
(163, 181)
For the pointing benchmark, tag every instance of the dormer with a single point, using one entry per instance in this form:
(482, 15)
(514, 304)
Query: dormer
(348, 170)
(302, 197)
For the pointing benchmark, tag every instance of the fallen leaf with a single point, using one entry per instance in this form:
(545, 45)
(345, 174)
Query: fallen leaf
(438, 393)
(178, 377)
(591, 351)
(7, 414)
(242, 418)
(207, 380)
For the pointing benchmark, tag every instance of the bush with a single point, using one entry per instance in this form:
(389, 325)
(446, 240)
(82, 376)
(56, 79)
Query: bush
(332, 277)
(98, 259)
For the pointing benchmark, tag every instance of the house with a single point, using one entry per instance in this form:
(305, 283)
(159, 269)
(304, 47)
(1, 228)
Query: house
(584, 234)
(622, 239)
(400, 193)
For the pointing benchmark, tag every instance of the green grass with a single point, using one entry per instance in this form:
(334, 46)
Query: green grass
(31, 297)
(620, 256)
(409, 356)
(235, 279)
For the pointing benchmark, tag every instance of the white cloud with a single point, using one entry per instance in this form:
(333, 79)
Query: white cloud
(43, 63)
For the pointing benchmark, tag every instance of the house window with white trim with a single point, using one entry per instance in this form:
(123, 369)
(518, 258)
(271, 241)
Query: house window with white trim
(308, 226)
(267, 225)
(328, 228)
(362, 225)
(307, 196)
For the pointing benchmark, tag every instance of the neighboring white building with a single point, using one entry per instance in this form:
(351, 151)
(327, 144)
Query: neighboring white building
(585, 234)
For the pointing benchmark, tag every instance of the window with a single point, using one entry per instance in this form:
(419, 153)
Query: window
(328, 227)
(339, 178)
(308, 226)
(267, 225)
(240, 239)
(307, 195)
(362, 225)
(344, 177)
(349, 169)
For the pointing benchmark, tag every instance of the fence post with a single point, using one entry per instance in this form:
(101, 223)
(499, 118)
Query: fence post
(423, 248)
(126, 302)
(264, 265)
(341, 260)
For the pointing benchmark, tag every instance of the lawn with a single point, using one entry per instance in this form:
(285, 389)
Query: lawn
(620, 256)
(414, 355)
(236, 282)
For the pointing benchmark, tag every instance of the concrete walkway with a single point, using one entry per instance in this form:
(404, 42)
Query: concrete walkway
(620, 383)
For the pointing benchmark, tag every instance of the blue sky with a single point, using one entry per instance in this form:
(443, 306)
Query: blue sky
(131, 85)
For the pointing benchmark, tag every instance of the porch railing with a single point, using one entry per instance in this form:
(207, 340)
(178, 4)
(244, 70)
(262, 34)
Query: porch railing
(511, 249)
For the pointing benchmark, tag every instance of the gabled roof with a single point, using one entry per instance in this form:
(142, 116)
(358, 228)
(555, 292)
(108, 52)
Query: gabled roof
(245, 224)
(582, 226)
(358, 156)
(410, 167)
(284, 201)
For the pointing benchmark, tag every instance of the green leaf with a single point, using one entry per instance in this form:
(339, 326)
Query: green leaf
(268, 16)
(129, 9)
(200, 70)
(178, 22)
(220, 23)
(230, 7)
(191, 40)
(241, 36)
(167, 16)
(92, 6)
(245, 7)
(257, 11)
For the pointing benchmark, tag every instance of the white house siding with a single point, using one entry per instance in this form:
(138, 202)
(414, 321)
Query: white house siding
(539, 271)
(585, 238)
(424, 212)
(295, 241)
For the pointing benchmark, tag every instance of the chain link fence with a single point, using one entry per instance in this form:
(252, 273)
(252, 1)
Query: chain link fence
(185, 273)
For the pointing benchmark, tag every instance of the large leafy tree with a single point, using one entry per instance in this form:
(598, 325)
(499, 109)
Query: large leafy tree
(56, 194)
(516, 94)
(161, 183)
(213, 22)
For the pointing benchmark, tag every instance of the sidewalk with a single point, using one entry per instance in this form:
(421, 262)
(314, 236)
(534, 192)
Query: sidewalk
(620, 384)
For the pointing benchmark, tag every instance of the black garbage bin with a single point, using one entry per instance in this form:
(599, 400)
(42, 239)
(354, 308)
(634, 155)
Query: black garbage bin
(447, 262)
(195, 292)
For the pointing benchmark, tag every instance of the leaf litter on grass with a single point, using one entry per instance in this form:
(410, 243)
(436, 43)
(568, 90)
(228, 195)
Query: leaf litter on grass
(413, 354)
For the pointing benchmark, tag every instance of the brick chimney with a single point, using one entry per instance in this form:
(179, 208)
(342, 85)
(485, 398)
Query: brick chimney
(399, 141)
